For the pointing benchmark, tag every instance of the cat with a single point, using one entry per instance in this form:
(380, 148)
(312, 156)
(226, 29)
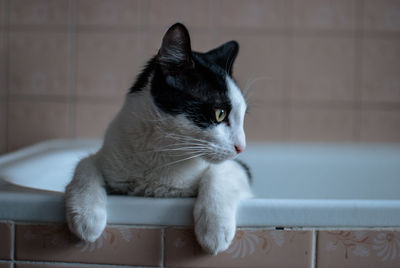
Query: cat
(177, 135)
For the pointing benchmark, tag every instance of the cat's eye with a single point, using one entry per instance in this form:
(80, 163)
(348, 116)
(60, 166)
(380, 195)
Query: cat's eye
(220, 115)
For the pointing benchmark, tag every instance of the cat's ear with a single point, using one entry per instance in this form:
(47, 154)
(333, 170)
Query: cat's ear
(175, 48)
(224, 55)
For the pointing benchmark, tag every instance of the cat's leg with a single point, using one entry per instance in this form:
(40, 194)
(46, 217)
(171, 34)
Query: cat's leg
(85, 201)
(220, 191)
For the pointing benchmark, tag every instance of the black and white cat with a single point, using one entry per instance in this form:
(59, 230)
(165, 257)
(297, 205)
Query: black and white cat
(176, 135)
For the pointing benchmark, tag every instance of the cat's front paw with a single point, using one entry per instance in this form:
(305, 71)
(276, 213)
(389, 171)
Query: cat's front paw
(214, 232)
(89, 224)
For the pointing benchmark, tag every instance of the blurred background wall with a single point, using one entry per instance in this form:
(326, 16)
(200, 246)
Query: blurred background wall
(318, 70)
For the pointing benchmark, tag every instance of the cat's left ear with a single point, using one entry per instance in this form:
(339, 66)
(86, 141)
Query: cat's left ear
(175, 48)
(224, 55)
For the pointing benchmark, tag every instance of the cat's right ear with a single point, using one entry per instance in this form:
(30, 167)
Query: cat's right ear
(175, 48)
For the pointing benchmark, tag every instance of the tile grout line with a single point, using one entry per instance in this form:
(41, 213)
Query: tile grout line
(12, 242)
(6, 71)
(72, 51)
(162, 247)
(314, 249)
(358, 46)
(287, 105)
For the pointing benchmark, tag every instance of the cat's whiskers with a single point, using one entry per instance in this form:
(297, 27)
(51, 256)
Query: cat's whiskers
(177, 161)
(248, 88)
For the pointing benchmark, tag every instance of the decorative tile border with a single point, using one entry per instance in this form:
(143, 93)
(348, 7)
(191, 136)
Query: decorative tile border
(53, 246)
(250, 248)
(358, 249)
(6, 265)
(117, 245)
(5, 240)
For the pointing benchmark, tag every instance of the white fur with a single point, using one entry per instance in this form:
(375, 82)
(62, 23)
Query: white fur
(150, 153)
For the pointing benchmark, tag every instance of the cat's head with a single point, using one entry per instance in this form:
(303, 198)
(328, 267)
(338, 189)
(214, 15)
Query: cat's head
(195, 91)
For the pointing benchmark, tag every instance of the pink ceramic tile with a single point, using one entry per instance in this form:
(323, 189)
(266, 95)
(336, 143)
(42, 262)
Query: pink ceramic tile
(104, 12)
(258, 248)
(382, 15)
(259, 67)
(3, 82)
(252, 14)
(380, 126)
(6, 265)
(322, 68)
(93, 118)
(3, 10)
(38, 63)
(34, 121)
(326, 14)
(196, 14)
(3, 126)
(358, 249)
(5, 241)
(39, 12)
(265, 122)
(380, 70)
(321, 124)
(117, 245)
(108, 63)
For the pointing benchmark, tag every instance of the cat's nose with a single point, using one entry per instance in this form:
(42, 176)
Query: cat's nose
(239, 148)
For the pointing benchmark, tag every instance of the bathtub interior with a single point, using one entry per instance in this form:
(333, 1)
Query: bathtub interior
(280, 171)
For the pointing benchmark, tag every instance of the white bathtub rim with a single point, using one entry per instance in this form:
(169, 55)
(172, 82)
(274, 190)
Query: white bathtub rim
(49, 207)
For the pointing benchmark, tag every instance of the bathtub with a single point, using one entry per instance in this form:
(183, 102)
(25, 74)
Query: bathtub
(314, 205)
(294, 185)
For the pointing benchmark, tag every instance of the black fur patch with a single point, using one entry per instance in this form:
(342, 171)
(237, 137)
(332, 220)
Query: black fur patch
(246, 168)
(194, 92)
(142, 79)
(186, 82)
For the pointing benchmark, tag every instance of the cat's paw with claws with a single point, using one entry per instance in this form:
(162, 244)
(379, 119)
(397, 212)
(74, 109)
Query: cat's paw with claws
(87, 225)
(214, 232)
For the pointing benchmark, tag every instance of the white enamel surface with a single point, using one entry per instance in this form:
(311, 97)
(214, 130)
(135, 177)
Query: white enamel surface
(47, 166)
(294, 185)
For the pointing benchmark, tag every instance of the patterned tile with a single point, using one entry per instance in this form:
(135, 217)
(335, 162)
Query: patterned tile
(5, 242)
(252, 14)
(117, 245)
(382, 15)
(258, 248)
(358, 249)
(6, 265)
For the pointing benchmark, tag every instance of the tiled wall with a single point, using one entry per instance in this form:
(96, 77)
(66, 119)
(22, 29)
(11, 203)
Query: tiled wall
(318, 70)
(52, 245)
